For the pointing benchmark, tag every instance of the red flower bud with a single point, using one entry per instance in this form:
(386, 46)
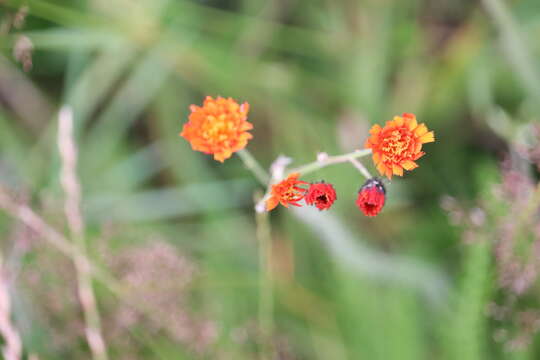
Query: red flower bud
(322, 195)
(371, 197)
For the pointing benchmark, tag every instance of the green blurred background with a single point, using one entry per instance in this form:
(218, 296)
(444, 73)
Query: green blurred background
(426, 279)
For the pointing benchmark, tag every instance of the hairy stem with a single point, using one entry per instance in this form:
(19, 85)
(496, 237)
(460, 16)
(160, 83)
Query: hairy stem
(253, 165)
(266, 296)
(357, 164)
(331, 160)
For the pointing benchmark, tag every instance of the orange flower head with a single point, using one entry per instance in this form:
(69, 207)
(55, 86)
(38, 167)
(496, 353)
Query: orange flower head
(219, 127)
(286, 192)
(398, 144)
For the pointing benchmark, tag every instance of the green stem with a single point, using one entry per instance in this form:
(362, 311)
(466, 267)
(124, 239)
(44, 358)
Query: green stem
(266, 280)
(316, 165)
(357, 164)
(253, 165)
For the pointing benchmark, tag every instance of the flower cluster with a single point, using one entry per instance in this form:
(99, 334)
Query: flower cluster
(220, 128)
(287, 192)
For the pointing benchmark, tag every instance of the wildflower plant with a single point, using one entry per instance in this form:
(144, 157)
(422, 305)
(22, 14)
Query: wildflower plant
(220, 128)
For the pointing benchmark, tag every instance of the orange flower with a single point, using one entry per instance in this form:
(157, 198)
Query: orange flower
(398, 145)
(286, 192)
(219, 127)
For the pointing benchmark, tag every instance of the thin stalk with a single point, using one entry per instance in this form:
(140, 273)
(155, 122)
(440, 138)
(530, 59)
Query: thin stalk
(253, 165)
(23, 213)
(266, 284)
(319, 164)
(72, 188)
(12, 347)
(357, 164)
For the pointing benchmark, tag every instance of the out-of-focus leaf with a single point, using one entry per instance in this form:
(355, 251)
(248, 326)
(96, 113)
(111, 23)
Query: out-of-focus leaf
(466, 330)
(396, 269)
(135, 94)
(131, 172)
(169, 203)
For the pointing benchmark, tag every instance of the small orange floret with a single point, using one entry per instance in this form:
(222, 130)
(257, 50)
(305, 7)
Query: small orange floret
(219, 127)
(398, 145)
(286, 192)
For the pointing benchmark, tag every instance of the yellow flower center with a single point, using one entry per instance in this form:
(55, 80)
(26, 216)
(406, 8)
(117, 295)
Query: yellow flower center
(396, 145)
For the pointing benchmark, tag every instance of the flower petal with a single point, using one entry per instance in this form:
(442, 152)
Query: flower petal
(409, 165)
(376, 158)
(271, 203)
(412, 124)
(408, 116)
(420, 130)
(375, 129)
(427, 137)
(419, 155)
(220, 157)
(381, 168)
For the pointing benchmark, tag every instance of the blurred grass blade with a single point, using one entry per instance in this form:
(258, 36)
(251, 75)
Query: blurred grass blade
(74, 39)
(139, 89)
(168, 203)
(98, 78)
(132, 172)
(372, 263)
(514, 43)
(467, 322)
(26, 100)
